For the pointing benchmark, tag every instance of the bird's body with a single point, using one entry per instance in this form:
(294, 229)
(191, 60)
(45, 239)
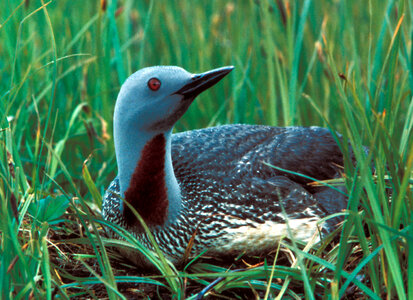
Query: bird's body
(217, 185)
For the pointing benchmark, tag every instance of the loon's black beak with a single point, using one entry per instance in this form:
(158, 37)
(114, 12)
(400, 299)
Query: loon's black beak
(203, 81)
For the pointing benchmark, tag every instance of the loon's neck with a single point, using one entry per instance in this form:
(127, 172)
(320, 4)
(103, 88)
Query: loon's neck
(146, 177)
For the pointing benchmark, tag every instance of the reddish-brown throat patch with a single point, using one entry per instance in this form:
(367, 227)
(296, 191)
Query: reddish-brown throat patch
(147, 191)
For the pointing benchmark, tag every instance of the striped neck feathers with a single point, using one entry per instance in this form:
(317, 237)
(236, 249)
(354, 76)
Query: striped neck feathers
(148, 182)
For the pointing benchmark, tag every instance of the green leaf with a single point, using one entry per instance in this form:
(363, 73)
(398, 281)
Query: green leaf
(49, 209)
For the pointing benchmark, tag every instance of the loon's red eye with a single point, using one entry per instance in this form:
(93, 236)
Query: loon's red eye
(154, 84)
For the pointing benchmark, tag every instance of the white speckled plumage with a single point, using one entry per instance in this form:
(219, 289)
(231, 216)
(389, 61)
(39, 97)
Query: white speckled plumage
(221, 187)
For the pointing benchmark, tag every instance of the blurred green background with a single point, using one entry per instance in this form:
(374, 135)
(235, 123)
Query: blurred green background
(64, 54)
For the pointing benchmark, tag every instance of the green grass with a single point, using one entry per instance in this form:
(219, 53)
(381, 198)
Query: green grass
(346, 65)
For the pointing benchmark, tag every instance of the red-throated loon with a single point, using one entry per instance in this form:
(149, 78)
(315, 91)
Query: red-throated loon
(214, 180)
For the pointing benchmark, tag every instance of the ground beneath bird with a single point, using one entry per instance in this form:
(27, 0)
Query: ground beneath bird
(74, 261)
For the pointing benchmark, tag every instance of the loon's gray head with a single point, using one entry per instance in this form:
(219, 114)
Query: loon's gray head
(153, 99)
(148, 106)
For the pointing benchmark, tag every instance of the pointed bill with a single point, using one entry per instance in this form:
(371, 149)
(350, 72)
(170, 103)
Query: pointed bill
(203, 81)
